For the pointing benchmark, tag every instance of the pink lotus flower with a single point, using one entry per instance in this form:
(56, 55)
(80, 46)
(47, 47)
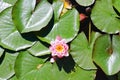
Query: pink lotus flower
(59, 48)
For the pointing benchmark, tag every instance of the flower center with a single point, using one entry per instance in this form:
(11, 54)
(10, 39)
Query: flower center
(59, 48)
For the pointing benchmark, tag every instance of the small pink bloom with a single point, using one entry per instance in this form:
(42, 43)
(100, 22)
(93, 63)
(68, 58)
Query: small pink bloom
(82, 16)
(59, 48)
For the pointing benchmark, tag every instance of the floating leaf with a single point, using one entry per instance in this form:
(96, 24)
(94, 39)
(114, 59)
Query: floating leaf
(10, 38)
(106, 54)
(13, 78)
(81, 50)
(10, 1)
(57, 6)
(7, 66)
(104, 17)
(1, 51)
(27, 64)
(3, 5)
(116, 4)
(39, 49)
(85, 2)
(29, 67)
(67, 27)
(28, 17)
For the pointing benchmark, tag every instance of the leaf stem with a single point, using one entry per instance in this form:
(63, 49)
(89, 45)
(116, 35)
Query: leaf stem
(89, 34)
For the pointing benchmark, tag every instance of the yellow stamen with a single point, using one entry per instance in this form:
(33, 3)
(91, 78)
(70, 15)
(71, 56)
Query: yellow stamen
(59, 48)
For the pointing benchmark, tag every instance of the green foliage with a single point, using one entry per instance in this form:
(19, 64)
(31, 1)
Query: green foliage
(83, 53)
(57, 6)
(29, 17)
(105, 18)
(7, 65)
(4, 5)
(29, 67)
(10, 1)
(28, 28)
(116, 4)
(39, 49)
(67, 27)
(1, 51)
(85, 2)
(107, 56)
(10, 38)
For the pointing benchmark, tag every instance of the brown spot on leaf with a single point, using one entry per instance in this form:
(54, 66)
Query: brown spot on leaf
(110, 50)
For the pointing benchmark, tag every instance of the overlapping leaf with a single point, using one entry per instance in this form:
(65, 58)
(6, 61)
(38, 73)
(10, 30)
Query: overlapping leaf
(116, 4)
(7, 66)
(67, 27)
(57, 6)
(39, 49)
(13, 78)
(10, 1)
(85, 2)
(81, 50)
(104, 17)
(26, 64)
(1, 51)
(106, 54)
(29, 17)
(3, 5)
(10, 38)
(29, 67)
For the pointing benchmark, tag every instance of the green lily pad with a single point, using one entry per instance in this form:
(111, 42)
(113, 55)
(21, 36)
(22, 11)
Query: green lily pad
(28, 17)
(39, 49)
(1, 51)
(81, 50)
(27, 64)
(57, 7)
(85, 2)
(7, 66)
(104, 17)
(67, 27)
(4, 5)
(13, 78)
(10, 38)
(29, 67)
(116, 4)
(106, 54)
(10, 1)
